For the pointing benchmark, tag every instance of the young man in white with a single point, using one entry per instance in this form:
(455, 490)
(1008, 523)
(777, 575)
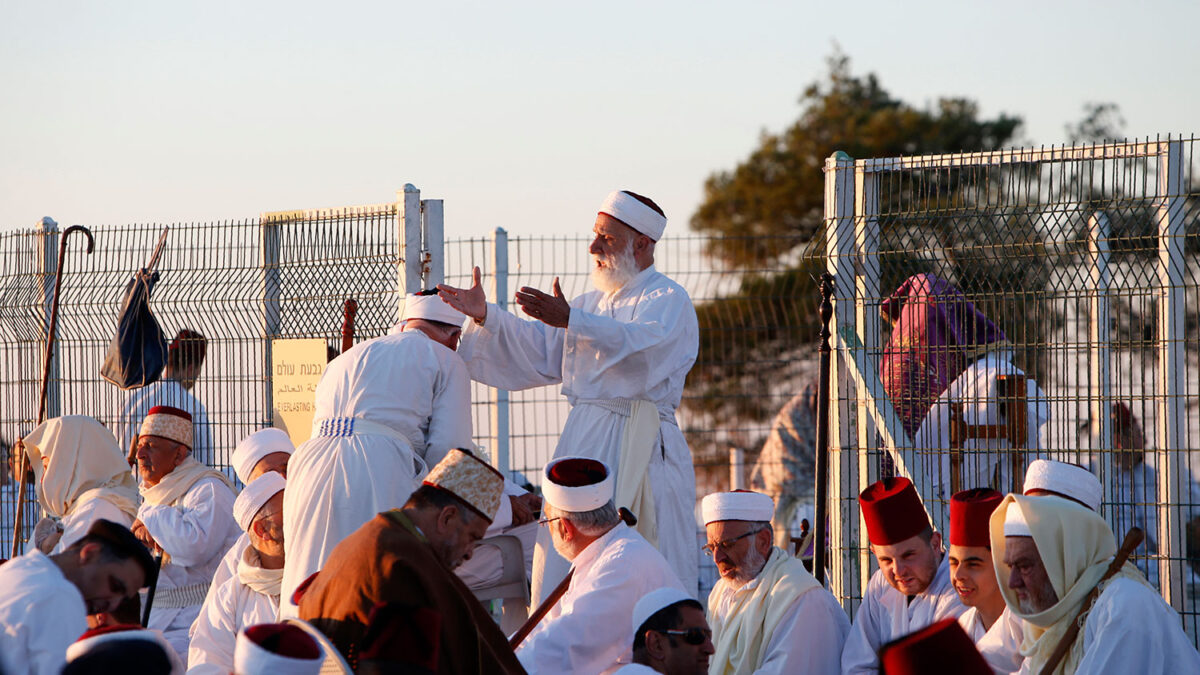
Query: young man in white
(912, 587)
(670, 635)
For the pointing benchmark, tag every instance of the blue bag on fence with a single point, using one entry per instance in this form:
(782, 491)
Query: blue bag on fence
(138, 353)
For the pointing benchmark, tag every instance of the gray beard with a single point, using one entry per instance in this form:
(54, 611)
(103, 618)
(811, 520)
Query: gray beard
(754, 561)
(617, 271)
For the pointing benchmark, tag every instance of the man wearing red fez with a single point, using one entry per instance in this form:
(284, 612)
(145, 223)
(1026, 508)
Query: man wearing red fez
(912, 588)
(940, 648)
(995, 631)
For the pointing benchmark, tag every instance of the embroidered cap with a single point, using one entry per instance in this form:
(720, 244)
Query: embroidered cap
(475, 482)
(170, 423)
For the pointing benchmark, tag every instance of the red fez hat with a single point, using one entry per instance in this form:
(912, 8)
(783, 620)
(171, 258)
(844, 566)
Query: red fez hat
(893, 511)
(942, 647)
(970, 511)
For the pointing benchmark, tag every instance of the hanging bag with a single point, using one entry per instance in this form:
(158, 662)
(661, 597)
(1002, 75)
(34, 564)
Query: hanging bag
(138, 353)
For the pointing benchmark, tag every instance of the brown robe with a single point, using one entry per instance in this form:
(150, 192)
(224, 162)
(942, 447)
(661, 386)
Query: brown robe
(433, 616)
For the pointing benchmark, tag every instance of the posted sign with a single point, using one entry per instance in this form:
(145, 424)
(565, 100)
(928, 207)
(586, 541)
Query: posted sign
(296, 368)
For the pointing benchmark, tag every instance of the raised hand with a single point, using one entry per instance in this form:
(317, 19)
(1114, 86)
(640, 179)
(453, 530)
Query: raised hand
(470, 301)
(552, 310)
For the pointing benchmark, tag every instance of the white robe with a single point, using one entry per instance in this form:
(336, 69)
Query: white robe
(1131, 630)
(808, 639)
(226, 569)
(419, 391)
(636, 344)
(196, 532)
(1134, 503)
(165, 392)
(41, 614)
(886, 614)
(1000, 645)
(590, 629)
(76, 523)
(214, 634)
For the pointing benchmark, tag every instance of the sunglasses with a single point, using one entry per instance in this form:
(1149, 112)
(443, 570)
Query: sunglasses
(693, 636)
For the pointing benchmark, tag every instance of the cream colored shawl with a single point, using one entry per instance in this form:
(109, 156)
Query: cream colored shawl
(251, 573)
(175, 485)
(1076, 546)
(633, 489)
(744, 630)
(84, 464)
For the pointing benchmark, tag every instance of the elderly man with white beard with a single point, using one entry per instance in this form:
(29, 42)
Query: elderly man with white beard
(768, 614)
(621, 353)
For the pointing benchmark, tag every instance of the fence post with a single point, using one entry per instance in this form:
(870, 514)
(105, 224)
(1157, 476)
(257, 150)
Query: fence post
(408, 230)
(433, 235)
(1171, 411)
(866, 318)
(1100, 396)
(271, 239)
(500, 403)
(737, 468)
(48, 243)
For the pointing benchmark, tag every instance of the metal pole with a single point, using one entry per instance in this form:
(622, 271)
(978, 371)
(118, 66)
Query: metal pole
(822, 470)
(737, 460)
(500, 397)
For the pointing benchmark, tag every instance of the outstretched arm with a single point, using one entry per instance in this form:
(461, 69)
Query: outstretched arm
(552, 310)
(470, 301)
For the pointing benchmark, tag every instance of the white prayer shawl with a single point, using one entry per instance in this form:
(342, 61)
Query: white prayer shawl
(782, 621)
(1001, 644)
(195, 530)
(235, 606)
(887, 614)
(636, 344)
(165, 392)
(416, 391)
(90, 507)
(41, 614)
(976, 389)
(589, 630)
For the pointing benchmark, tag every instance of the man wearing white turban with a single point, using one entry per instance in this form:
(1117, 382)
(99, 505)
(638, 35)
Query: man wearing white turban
(1049, 554)
(621, 353)
(81, 476)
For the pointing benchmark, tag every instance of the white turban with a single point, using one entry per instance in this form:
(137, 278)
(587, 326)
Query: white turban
(737, 505)
(254, 496)
(577, 484)
(294, 651)
(1014, 522)
(1068, 480)
(430, 308)
(256, 446)
(631, 211)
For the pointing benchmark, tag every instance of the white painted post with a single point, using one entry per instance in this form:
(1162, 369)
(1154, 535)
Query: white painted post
(737, 463)
(500, 397)
(866, 318)
(1100, 397)
(269, 234)
(1172, 369)
(408, 230)
(433, 232)
(48, 244)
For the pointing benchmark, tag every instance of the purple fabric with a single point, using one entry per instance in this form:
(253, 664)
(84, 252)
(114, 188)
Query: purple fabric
(935, 331)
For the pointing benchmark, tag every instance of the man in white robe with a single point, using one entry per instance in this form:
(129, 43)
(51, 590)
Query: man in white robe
(186, 514)
(81, 477)
(45, 600)
(185, 360)
(621, 353)
(768, 614)
(1050, 553)
(251, 596)
(987, 620)
(612, 566)
(911, 589)
(670, 635)
(386, 409)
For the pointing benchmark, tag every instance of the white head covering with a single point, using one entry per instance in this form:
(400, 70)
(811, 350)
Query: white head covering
(296, 652)
(257, 445)
(1014, 522)
(430, 308)
(1069, 480)
(737, 505)
(654, 601)
(83, 456)
(98, 637)
(577, 484)
(254, 495)
(634, 213)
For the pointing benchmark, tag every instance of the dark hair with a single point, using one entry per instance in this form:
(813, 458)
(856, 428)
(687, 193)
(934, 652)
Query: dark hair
(118, 543)
(667, 618)
(430, 497)
(187, 349)
(647, 201)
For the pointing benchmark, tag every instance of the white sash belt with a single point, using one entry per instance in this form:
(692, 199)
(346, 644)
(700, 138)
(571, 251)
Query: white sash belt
(624, 407)
(353, 426)
(178, 597)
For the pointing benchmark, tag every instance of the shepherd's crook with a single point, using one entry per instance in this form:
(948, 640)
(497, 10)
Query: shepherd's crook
(50, 331)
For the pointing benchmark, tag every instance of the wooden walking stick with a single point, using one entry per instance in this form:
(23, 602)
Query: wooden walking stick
(50, 331)
(1133, 539)
(349, 310)
(150, 591)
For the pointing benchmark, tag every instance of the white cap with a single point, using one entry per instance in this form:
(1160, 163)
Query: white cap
(430, 308)
(577, 484)
(1014, 522)
(256, 446)
(1068, 480)
(294, 652)
(737, 505)
(254, 495)
(98, 637)
(655, 600)
(631, 211)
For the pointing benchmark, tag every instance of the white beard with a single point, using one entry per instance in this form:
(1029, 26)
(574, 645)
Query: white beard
(617, 271)
(753, 561)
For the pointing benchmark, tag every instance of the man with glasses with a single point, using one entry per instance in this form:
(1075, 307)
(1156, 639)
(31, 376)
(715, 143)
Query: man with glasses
(670, 635)
(612, 567)
(768, 614)
(912, 588)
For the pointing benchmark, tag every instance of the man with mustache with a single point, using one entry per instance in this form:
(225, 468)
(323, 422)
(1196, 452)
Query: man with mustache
(670, 635)
(911, 589)
(621, 353)
(768, 614)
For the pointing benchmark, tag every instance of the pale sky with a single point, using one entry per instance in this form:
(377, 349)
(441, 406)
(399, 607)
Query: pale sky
(517, 114)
